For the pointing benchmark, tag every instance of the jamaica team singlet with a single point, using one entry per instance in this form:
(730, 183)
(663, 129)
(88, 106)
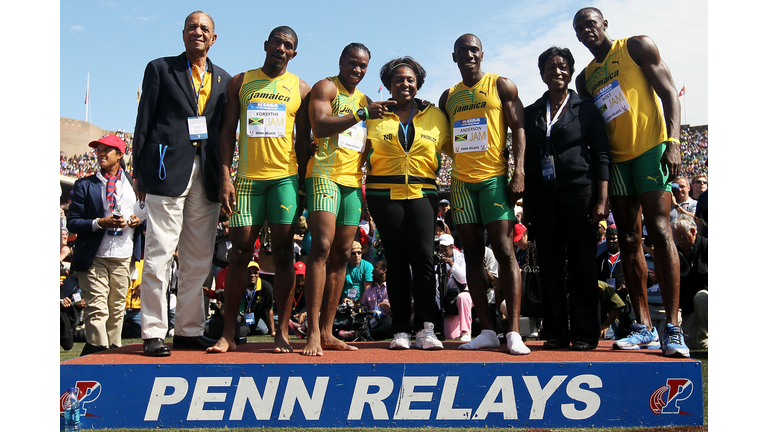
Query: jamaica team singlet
(268, 109)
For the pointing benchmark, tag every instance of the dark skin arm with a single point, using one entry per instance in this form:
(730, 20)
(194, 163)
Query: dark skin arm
(324, 123)
(512, 108)
(303, 141)
(645, 53)
(227, 143)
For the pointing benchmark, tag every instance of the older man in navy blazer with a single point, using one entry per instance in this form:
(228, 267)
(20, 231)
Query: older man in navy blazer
(175, 165)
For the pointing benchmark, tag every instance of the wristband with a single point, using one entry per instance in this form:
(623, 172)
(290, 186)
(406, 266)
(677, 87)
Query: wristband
(366, 113)
(674, 140)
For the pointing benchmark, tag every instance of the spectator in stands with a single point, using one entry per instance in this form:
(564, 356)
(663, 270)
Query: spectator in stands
(702, 214)
(682, 203)
(459, 325)
(132, 321)
(694, 286)
(376, 298)
(610, 307)
(699, 184)
(609, 270)
(257, 303)
(298, 322)
(102, 261)
(358, 278)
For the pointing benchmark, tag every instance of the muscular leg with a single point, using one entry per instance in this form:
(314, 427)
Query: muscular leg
(626, 212)
(500, 234)
(334, 284)
(285, 282)
(322, 225)
(656, 207)
(241, 253)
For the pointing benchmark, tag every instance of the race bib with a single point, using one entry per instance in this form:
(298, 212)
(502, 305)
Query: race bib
(611, 102)
(265, 120)
(354, 137)
(470, 135)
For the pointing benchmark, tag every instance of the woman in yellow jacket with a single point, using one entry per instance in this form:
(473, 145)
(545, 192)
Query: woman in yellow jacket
(401, 192)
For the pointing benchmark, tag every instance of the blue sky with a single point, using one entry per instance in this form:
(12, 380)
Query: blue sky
(113, 41)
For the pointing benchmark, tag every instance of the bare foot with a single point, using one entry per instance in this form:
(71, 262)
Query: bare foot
(332, 343)
(313, 347)
(282, 345)
(222, 345)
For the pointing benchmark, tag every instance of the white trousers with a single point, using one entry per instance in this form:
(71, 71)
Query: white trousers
(189, 222)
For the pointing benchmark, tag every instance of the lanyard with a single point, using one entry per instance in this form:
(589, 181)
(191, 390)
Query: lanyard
(407, 125)
(551, 123)
(252, 297)
(612, 266)
(202, 84)
(296, 300)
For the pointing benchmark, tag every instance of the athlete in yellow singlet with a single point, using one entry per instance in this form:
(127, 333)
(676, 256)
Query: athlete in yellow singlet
(479, 110)
(268, 102)
(337, 112)
(624, 79)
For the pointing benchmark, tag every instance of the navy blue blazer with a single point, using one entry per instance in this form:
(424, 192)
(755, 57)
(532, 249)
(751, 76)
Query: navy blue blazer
(86, 206)
(167, 101)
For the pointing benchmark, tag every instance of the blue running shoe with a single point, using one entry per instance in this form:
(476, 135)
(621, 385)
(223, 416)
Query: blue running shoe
(673, 342)
(639, 338)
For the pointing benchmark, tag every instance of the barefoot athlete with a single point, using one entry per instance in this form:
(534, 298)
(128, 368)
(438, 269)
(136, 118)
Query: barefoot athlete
(337, 112)
(267, 101)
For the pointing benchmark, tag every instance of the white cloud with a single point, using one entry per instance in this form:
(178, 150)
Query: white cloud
(77, 28)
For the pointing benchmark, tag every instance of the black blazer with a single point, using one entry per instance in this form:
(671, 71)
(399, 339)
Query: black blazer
(167, 101)
(578, 142)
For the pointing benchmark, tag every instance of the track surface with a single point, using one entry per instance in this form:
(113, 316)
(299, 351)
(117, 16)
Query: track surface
(372, 352)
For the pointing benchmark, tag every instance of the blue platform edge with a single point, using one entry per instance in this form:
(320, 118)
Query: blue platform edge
(522, 395)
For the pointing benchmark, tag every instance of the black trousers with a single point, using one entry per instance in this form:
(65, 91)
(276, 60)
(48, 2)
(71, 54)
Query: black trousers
(407, 230)
(560, 225)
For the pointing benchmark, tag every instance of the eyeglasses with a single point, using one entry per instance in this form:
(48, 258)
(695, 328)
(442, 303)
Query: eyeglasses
(700, 182)
(357, 252)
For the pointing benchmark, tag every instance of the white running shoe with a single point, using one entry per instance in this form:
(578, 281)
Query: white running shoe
(486, 339)
(515, 344)
(466, 337)
(400, 342)
(426, 339)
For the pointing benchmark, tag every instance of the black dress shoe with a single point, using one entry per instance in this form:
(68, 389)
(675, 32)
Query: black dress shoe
(92, 349)
(192, 342)
(156, 348)
(582, 346)
(555, 344)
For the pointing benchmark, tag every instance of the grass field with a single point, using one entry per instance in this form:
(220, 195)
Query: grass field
(702, 356)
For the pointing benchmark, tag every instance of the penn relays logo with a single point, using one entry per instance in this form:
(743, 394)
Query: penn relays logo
(87, 392)
(666, 399)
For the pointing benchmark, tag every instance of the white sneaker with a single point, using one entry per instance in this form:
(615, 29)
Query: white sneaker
(400, 342)
(426, 339)
(515, 344)
(466, 337)
(486, 339)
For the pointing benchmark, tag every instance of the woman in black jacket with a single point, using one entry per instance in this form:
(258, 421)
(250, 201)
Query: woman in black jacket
(566, 195)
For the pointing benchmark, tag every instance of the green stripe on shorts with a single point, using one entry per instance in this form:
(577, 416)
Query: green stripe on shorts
(342, 201)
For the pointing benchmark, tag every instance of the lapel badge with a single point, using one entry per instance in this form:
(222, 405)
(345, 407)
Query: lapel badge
(219, 79)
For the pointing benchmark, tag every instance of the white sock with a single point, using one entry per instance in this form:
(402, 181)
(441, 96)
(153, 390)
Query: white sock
(515, 344)
(486, 339)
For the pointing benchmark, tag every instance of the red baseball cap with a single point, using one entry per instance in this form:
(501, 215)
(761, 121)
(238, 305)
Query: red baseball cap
(110, 140)
(301, 268)
(520, 229)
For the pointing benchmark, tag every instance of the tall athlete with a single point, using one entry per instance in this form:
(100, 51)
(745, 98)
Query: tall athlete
(479, 109)
(337, 113)
(267, 102)
(624, 78)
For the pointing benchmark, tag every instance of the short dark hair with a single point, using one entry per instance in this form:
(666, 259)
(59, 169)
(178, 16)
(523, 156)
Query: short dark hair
(589, 9)
(556, 51)
(355, 46)
(479, 42)
(287, 30)
(213, 24)
(383, 263)
(389, 68)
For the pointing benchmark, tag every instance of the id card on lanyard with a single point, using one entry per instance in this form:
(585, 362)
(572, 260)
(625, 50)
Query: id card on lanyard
(548, 161)
(198, 127)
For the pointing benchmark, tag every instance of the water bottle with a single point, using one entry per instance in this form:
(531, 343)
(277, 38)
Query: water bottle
(71, 411)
